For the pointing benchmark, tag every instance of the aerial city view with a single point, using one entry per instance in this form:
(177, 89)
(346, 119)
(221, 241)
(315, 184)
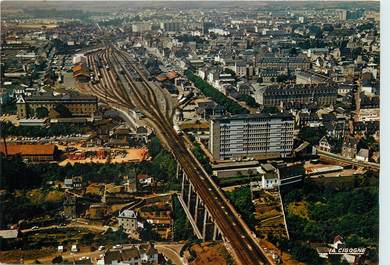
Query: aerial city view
(189, 132)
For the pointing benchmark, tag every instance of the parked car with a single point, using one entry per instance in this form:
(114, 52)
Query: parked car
(75, 248)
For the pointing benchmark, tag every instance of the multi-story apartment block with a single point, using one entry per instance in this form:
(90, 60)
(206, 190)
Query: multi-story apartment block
(240, 68)
(141, 27)
(206, 26)
(77, 105)
(323, 94)
(128, 220)
(251, 135)
(307, 77)
(281, 63)
(170, 26)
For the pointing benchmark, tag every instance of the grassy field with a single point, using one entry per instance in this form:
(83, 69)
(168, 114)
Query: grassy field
(38, 196)
(14, 256)
(211, 253)
(299, 208)
(268, 215)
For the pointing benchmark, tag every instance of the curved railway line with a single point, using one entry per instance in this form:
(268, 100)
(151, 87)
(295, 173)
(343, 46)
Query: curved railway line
(117, 88)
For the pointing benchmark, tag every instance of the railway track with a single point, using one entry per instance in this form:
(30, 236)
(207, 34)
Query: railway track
(132, 94)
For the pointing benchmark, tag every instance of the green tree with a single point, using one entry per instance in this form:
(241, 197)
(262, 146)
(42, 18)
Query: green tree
(63, 111)
(147, 233)
(16, 174)
(355, 210)
(242, 200)
(87, 239)
(210, 91)
(181, 227)
(270, 110)
(115, 237)
(293, 52)
(166, 164)
(230, 71)
(282, 78)
(57, 260)
(154, 146)
(198, 152)
(312, 134)
(41, 112)
(250, 101)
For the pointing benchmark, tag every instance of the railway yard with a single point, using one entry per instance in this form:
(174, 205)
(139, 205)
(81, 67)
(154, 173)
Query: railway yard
(123, 85)
(190, 133)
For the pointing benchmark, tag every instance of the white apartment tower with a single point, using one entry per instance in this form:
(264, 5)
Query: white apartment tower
(251, 135)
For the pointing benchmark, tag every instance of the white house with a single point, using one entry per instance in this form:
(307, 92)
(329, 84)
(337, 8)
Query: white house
(149, 254)
(269, 181)
(324, 145)
(133, 255)
(269, 176)
(130, 256)
(362, 155)
(128, 220)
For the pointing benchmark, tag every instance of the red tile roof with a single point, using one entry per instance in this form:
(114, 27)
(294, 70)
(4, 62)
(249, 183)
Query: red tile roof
(28, 149)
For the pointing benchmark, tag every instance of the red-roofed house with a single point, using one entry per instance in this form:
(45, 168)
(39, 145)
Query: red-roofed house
(34, 153)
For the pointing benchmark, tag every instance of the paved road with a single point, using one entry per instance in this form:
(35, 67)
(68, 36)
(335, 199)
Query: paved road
(350, 161)
(172, 252)
(96, 228)
(67, 256)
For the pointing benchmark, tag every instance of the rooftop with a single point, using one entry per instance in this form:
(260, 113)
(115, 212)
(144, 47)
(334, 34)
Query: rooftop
(7, 234)
(28, 149)
(128, 214)
(50, 97)
(252, 116)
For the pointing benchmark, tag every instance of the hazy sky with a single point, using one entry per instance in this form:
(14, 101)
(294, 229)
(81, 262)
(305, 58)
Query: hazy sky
(193, 0)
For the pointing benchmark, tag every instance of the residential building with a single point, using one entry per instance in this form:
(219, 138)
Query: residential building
(96, 211)
(74, 183)
(149, 253)
(349, 148)
(290, 174)
(128, 220)
(135, 255)
(251, 135)
(240, 68)
(362, 155)
(70, 206)
(209, 108)
(170, 26)
(307, 77)
(277, 95)
(121, 257)
(206, 26)
(366, 115)
(269, 75)
(141, 27)
(342, 14)
(269, 176)
(324, 145)
(281, 63)
(5, 96)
